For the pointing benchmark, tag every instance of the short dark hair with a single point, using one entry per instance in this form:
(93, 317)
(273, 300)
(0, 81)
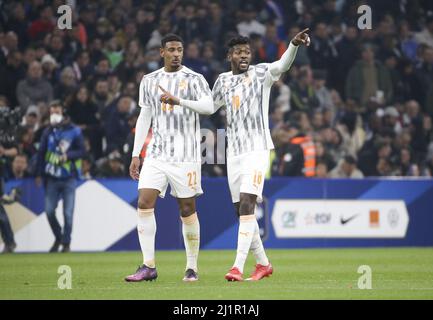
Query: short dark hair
(368, 45)
(323, 162)
(56, 104)
(103, 57)
(255, 36)
(170, 37)
(350, 160)
(81, 52)
(237, 41)
(22, 155)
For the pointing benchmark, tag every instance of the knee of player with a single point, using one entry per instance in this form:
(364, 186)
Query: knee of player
(186, 209)
(144, 203)
(246, 207)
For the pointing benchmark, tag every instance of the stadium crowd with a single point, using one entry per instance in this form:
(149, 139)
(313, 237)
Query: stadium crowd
(355, 103)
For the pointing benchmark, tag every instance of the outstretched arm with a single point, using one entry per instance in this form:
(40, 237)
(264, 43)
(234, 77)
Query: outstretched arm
(278, 67)
(204, 105)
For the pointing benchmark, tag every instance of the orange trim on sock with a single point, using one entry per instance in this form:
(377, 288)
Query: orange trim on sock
(145, 212)
(249, 217)
(190, 219)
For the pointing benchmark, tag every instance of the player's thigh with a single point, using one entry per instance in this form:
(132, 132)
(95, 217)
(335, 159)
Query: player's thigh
(234, 172)
(153, 180)
(254, 167)
(184, 179)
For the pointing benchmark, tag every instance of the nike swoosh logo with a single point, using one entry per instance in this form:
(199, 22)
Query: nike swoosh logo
(344, 221)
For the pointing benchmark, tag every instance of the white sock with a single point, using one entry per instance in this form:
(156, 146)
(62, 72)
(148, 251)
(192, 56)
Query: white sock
(257, 248)
(191, 239)
(247, 226)
(146, 228)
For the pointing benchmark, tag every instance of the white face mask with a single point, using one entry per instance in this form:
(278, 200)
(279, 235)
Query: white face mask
(55, 118)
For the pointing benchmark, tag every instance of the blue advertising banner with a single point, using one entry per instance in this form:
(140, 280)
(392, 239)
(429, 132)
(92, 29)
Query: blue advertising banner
(296, 213)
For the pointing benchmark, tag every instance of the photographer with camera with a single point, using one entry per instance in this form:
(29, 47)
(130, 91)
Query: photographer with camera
(59, 165)
(6, 230)
(5, 226)
(8, 150)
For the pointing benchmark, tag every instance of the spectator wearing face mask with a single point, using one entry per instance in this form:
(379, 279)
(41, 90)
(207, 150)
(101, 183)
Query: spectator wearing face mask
(59, 165)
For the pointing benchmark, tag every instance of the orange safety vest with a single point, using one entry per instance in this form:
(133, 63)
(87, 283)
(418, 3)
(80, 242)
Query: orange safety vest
(146, 143)
(281, 48)
(309, 150)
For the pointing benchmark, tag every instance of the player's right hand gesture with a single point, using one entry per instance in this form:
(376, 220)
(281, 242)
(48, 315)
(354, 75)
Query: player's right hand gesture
(302, 38)
(134, 168)
(167, 97)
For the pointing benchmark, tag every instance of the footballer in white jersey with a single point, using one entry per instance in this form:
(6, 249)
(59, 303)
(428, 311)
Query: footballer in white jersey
(245, 91)
(172, 156)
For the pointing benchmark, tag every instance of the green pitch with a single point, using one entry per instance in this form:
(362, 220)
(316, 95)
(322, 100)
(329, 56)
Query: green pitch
(400, 273)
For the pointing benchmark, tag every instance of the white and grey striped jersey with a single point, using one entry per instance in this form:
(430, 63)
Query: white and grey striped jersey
(246, 98)
(175, 129)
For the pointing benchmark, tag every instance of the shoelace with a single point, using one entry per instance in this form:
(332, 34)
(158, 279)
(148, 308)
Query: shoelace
(235, 270)
(259, 269)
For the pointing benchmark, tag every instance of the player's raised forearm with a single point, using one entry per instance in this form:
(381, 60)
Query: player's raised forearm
(141, 130)
(204, 105)
(286, 61)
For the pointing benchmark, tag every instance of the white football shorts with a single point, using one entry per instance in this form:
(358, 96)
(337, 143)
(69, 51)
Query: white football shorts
(246, 173)
(184, 178)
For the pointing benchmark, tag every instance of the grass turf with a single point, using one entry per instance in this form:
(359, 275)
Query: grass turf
(397, 273)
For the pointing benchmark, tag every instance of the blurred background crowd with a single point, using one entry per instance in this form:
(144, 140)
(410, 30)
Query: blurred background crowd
(355, 103)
